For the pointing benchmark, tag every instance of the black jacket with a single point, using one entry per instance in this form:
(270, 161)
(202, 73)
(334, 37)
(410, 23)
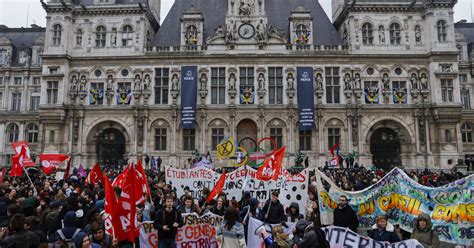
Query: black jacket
(346, 217)
(276, 214)
(24, 239)
(164, 218)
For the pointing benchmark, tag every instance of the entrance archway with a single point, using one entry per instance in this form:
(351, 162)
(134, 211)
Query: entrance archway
(110, 147)
(247, 135)
(385, 148)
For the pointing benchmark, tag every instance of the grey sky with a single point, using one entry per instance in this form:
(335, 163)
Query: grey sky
(13, 13)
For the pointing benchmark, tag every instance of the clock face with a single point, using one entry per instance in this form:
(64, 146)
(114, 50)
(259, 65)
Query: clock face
(246, 31)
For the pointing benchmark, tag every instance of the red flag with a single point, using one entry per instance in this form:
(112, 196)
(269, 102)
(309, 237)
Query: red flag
(2, 174)
(120, 179)
(109, 206)
(68, 169)
(95, 175)
(125, 221)
(217, 188)
(270, 170)
(336, 149)
(50, 162)
(17, 147)
(17, 163)
(141, 177)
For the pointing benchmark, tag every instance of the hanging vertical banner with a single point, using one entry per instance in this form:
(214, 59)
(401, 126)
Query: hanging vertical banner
(305, 97)
(188, 96)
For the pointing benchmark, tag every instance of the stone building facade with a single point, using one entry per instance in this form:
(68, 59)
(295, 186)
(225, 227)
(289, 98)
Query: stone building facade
(390, 80)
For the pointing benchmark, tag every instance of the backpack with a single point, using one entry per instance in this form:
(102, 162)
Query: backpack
(64, 242)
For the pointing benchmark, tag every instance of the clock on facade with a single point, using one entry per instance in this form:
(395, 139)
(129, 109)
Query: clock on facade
(246, 31)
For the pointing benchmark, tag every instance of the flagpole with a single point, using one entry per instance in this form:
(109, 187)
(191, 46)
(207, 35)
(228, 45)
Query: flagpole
(32, 185)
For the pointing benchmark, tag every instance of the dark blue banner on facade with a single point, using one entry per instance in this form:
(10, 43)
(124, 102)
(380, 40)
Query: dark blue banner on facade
(188, 96)
(305, 97)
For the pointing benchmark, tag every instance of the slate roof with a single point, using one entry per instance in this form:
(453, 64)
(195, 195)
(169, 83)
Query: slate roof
(467, 29)
(214, 12)
(22, 37)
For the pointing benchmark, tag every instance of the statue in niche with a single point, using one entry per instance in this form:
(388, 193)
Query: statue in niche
(414, 82)
(357, 82)
(110, 83)
(232, 31)
(203, 81)
(347, 82)
(385, 82)
(424, 82)
(417, 35)
(73, 86)
(319, 81)
(381, 34)
(147, 82)
(136, 83)
(261, 82)
(290, 80)
(8, 59)
(82, 83)
(113, 37)
(261, 33)
(175, 82)
(232, 81)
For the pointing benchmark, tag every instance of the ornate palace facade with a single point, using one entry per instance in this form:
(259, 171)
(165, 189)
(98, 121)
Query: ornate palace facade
(391, 80)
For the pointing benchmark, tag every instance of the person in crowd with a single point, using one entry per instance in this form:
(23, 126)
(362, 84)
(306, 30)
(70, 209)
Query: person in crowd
(81, 240)
(424, 233)
(307, 235)
(273, 211)
(231, 232)
(17, 236)
(167, 222)
(344, 215)
(68, 232)
(293, 212)
(312, 213)
(383, 231)
(99, 237)
(280, 238)
(32, 224)
(188, 205)
(219, 209)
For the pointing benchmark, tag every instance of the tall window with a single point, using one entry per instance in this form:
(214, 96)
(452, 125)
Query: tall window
(160, 139)
(302, 34)
(97, 94)
(36, 81)
(32, 133)
(52, 92)
(16, 101)
(399, 84)
(79, 37)
(189, 139)
(466, 99)
(277, 135)
(100, 36)
(22, 57)
(162, 78)
(1, 99)
(275, 85)
(466, 131)
(1, 80)
(217, 137)
(34, 103)
(447, 135)
(57, 30)
(447, 90)
(334, 136)
(127, 35)
(441, 27)
(305, 140)
(2, 56)
(333, 85)
(13, 132)
(52, 135)
(191, 35)
(247, 83)
(17, 80)
(395, 37)
(462, 78)
(367, 34)
(218, 85)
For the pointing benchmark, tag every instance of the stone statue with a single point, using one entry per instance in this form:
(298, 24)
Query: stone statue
(261, 82)
(82, 83)
(261, 33)
(386, 82)
(381, 34)
(244, 9)
(417, 35)
(110, 83)
(73, 86)
(414, 82)
(347, 82)
(8, 59)
(232, 81)
(290, 81)
(357, 82)
(219, 31)
(113, 38)
(147, 81)
(136, 83)
(203, 81)
(231, 31)
(424, 82)
(175, 82)
(319, 81)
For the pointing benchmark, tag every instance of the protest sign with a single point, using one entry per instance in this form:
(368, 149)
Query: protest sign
(148, 235)
(196, 179)
(397, 196)
(198, 231)
(339, 237)
(257, 229)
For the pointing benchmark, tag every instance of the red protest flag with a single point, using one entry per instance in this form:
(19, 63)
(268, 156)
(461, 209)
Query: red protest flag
(95, 175)
(109, 206)
(68, 169)
(2, 174)
(125, 221)
(18, 147)
(270, 170)
(120, 179)
(217, 188)
(17, 163)
(49, 162)
(141, 177)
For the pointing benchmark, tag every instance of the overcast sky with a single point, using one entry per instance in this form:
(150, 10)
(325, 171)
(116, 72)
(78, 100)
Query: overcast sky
(17, 13)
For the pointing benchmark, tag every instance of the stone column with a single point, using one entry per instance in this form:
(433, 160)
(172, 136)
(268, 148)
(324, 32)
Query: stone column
(70, 133)
(290, 139)
(41, 136)
(2, 143)
(81, 134)
(459, 138)
(203, 133)
(349, 134)
(146, 132)
(173, 146)
(427, 136)
(21, 135)
(321, 136)
(417, 135)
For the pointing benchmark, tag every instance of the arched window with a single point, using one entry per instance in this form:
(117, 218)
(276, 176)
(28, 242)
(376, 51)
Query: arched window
(441, 27)
(466, 131)
(100, 36)
(12, 132)
(57, 30)
(127, 35)
(367, 34)
(191, 35)
(302, 34)
(79, 37)
(395, 31)
(32, 133)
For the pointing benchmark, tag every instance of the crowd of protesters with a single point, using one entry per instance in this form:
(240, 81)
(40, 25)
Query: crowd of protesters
(69, 213)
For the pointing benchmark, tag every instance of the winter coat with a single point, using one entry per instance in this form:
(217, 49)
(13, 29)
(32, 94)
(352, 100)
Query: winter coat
(294, 217)
(167, 218)
(69, 229)
(388, 234)
(276, 214)
(346, 217)
(427, 237)
(24, 239)
(308, 235)
(233, 238)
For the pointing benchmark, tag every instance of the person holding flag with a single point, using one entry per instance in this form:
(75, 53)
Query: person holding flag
(273, 211)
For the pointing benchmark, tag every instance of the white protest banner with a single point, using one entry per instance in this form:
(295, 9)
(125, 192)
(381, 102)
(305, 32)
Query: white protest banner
(198, 231)
(195, 179)
(257, 229)
(339, 237)
(148, 235)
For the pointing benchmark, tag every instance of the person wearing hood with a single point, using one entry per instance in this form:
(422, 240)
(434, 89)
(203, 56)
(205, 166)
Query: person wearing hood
(81, 240)
(251, 210)
(383, 231)
(307, 235)
(344, 215)
(68, 231)
(424, 233)
(273, 211)
(294, 212)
